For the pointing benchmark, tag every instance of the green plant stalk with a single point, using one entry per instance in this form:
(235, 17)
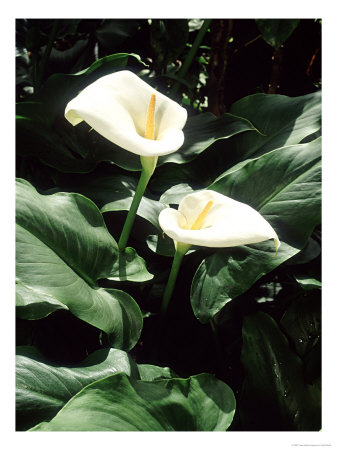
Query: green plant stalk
(148, 166)
(191, 54)
(177, 260)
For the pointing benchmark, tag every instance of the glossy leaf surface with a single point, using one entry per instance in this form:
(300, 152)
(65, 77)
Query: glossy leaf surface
(32, 304)
(42, 389)
(281, 120)
(63, 248)
(277, 184)
(203, 130)
(120, 403)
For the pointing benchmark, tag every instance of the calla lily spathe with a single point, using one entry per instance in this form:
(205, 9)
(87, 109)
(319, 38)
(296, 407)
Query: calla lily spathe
(116, 107)
(210, 219)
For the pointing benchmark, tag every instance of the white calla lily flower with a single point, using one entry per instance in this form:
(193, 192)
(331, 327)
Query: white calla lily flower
(116, 106)
(130, 113)
(210, 219)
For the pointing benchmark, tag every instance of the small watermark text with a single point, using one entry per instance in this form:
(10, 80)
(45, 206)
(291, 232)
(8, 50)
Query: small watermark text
(311, 445)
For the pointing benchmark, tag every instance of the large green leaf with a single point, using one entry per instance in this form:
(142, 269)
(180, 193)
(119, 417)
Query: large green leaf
(58, 220)
(32, 304)
(63, 248)
(274, 176)
(276, 31)
(285, 187)
(120, 403)
(228, 273)
(202, 131)
(274, 396)
(282, 121)
(42, 389)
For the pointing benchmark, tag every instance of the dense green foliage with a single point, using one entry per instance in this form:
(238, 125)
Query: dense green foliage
(240, 346)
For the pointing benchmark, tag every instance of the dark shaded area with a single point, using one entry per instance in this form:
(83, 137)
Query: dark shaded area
(233, 56)
(61, 337)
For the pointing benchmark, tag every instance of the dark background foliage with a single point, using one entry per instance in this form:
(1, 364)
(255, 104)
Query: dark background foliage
(236, 58)
(234, 51)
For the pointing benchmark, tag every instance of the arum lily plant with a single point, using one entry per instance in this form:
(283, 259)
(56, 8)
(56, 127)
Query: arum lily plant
(130, 113)
(210, 219)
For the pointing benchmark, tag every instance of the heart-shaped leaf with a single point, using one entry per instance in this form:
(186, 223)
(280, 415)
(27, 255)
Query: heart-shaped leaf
(63, 248)
(230, 272)
(284, 186)
(120, 403)
(42, 389)
(286, 167)
(281, 120)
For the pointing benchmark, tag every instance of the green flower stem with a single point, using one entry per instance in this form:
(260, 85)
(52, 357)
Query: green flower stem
(148, 166)
(177, 260)
(191, 54)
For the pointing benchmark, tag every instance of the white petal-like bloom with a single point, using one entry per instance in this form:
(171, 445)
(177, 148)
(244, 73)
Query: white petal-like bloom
(116, 107)
(210, 219)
